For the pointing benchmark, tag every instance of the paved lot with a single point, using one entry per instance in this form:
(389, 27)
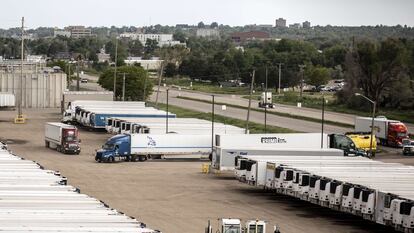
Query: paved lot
(172, 195)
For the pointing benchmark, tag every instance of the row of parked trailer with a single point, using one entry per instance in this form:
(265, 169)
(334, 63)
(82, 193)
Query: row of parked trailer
(376, 191)
(33, 199)
(94, 114)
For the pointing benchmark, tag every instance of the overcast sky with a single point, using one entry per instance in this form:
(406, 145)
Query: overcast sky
(59, 13)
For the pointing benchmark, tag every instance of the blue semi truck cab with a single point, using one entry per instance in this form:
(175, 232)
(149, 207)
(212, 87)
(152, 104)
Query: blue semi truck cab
(118, 147)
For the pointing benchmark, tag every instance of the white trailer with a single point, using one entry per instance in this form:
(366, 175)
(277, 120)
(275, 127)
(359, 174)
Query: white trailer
(227, 147)
(142, 146)
(7, 100)
(70, 112)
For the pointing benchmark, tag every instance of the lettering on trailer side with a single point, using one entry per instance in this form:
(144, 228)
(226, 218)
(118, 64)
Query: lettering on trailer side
(151, 142)
(272, 140)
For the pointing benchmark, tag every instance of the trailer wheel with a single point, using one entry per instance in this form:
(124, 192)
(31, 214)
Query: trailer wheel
(46, 144)
(142, 158)
(133, 158)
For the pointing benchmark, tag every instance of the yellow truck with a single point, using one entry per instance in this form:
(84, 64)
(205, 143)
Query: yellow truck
(363, 140)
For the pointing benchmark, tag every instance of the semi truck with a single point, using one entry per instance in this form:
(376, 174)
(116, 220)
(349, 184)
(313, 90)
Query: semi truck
(389, 132)
(266, 100)
(62, 137)
(132, 147)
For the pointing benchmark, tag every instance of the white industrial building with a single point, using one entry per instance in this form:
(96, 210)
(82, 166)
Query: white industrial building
(207, 32)
(153, 64)
(162, 39)
(42, 86)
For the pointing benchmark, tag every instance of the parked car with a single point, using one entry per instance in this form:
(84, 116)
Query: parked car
(84, 80)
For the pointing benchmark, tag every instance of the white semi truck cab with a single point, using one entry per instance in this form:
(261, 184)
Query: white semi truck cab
(266, 100)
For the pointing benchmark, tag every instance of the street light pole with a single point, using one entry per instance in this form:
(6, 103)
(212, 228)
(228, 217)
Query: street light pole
(116, 59)
(323, 119)
(123, 88)
(212, 123)
(265, 104)
(374, 105)
(166, 116)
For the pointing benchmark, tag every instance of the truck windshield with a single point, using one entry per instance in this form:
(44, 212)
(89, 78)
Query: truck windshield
(108, 146)
(70, 138)
(402, 135)
(231, 229)
(259, 228)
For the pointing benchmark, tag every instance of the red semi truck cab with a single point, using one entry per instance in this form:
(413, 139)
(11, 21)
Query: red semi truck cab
(62, 137)
(397, 131)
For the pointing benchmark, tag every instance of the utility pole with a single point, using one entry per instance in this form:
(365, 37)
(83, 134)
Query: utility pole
(302, 68)
(116, 60)
(145, 86)
(265, 104)
(166, 117)
(69, 75)
(250, 102)
(159, 83)
(123, 87)
(280, 77)
(77, 76)
(19, 113)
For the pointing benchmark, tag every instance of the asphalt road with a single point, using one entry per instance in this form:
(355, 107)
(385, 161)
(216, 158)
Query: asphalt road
(258, 117)
(293, 110)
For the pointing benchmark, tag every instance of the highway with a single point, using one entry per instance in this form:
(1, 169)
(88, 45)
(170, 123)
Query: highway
(282, 108)
(238, 113)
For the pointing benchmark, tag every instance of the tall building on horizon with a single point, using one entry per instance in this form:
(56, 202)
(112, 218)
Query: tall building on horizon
(306, 24)
(280, 23)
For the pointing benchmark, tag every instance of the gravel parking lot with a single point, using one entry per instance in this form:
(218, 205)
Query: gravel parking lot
(172, 195)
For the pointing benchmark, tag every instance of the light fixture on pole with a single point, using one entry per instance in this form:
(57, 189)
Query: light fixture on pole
(372, 123)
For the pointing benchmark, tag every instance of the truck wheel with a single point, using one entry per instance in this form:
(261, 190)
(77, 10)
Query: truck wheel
(133, 158)
(111, 159)
(142, 158)
(46, 144)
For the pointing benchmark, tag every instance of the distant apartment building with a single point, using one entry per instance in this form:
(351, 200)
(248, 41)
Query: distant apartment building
(58, 32)
(162, 39)
(240, 37)
(79, 31)
(207, 32)
(182, 26)
(294, 25)
(306, 24)
(280, 23)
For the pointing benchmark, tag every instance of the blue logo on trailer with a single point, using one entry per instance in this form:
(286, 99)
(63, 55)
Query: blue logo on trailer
(151, 142)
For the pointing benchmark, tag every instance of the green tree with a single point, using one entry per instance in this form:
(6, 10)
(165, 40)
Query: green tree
(150, 46)
(170, 70)
(136, 82)
(135, 48)
(214, 25)
(317, 76)
(201, 25)
(373, 67)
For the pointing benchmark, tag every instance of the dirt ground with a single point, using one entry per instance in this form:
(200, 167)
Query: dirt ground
(173, 195)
